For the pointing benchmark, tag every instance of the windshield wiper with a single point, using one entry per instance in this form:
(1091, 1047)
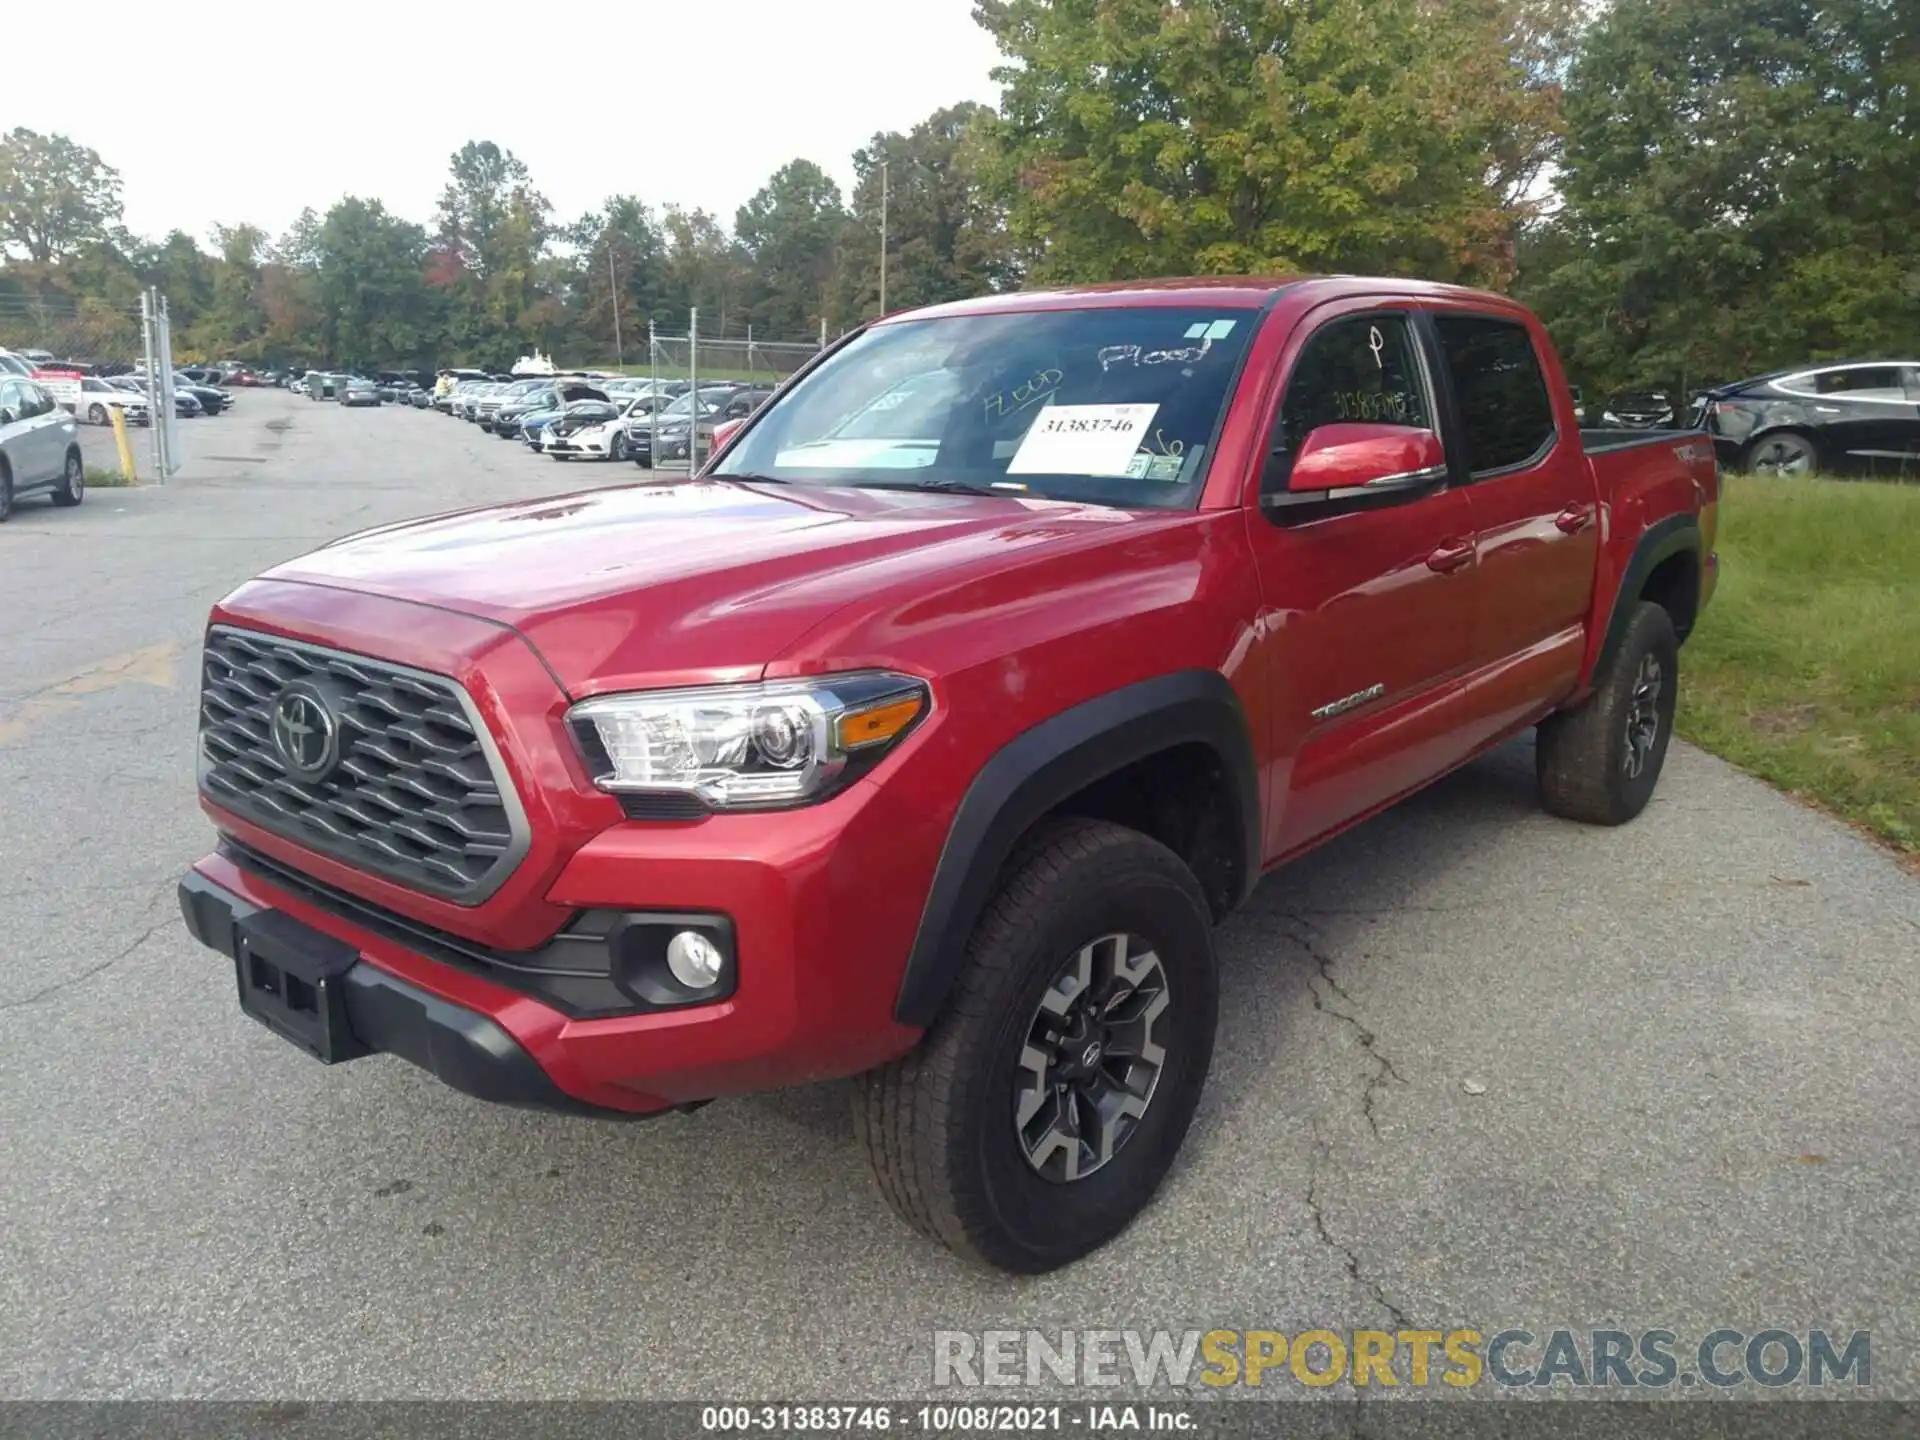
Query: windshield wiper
(945, 487)
(748, 478)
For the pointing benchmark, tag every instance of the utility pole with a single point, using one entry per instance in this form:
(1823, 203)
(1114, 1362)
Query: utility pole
(883, 237)
(613, 294)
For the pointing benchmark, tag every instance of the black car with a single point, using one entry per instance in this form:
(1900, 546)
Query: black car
(1640, 410)
(212, 399)
(672, 439)
(1844, 415)
(671, 422)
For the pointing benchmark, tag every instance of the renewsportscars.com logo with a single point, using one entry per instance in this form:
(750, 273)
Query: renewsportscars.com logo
(1657, 1359)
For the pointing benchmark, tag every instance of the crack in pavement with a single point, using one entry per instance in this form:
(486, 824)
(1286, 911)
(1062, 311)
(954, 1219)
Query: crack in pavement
(47, 991)
(1351, 1259)
(1384, 1072)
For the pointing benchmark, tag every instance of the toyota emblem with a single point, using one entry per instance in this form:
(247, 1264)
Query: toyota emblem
(306, 737)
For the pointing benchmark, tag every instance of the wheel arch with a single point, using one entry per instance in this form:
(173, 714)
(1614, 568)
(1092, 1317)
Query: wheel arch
(1664, 568)
(1085, 754)
(1806, 432)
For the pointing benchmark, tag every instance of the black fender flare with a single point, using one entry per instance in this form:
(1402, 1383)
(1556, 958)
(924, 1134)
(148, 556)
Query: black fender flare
(1663, 540)
(1036, 770)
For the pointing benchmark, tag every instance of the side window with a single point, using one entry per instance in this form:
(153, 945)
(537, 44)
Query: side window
(1365, 370)
(1506, 415)
(1864, 382)
(1910, 381)
(34, 400)
(10, 399)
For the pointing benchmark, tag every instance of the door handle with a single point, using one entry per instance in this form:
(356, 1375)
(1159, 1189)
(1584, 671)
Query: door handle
(1450, 556)
(1573, 519)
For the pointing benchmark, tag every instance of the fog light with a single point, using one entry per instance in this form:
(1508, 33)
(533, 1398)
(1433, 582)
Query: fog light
(694, 960)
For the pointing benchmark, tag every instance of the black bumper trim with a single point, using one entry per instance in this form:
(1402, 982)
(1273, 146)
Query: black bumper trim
(458, 1046)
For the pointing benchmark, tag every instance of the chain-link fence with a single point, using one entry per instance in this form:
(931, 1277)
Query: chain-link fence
(92, 335)
(72, 343)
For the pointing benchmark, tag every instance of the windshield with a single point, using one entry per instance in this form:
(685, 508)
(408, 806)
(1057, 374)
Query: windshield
(1114, 406)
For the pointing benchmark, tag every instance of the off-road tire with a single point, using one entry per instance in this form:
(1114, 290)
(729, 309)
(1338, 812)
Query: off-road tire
(1582, 756)
(938, 1125)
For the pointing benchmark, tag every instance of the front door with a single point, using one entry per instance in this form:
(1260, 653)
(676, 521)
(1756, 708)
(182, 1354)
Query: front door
(1367, 612)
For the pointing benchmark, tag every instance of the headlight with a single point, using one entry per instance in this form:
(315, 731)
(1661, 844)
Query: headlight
(748, 747)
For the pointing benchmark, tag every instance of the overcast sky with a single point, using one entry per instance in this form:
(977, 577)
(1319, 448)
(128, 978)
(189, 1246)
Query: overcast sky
(273, 107)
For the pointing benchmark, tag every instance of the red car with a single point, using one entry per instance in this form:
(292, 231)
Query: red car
(924, 737)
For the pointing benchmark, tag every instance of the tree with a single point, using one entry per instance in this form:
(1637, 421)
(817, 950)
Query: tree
(1742, 182)
(702, 268)
(493, 232)
(371, 287)
(946, 236)
(619, 255)
(789, 230)
(56, 197)
(1138, 137)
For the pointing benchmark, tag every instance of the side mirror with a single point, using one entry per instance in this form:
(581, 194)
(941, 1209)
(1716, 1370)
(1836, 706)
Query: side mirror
(1338, 462)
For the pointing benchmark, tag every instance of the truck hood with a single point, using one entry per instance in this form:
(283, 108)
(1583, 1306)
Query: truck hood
(687, 582)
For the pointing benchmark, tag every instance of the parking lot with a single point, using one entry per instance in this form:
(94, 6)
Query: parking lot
(1477, 1067)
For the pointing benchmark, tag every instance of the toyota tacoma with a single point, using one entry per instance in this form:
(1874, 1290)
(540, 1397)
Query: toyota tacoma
(923, 737)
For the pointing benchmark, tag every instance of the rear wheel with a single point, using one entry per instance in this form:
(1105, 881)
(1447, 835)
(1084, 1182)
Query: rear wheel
(1040, 1113)
(1786, 452)
(1599, 764)
(72, 488)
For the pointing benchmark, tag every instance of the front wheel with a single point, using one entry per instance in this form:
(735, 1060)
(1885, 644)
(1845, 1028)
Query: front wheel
(617, 448)
(1038, 1116)
(1599, 764)
(72, 488)
(96, 415)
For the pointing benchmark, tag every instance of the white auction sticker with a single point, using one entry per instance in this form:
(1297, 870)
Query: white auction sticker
(1082, 440)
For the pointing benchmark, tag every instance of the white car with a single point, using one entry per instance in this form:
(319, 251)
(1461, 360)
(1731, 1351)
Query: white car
(98, 396)
(39, 446)
(591, 430)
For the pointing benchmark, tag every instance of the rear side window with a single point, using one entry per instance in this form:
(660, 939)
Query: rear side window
(1505, 413)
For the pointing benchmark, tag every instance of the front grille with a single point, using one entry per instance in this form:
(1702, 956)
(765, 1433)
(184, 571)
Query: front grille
(416, 795)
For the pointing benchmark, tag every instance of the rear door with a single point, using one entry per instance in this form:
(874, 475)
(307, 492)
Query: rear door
(1535, 515)
(1368, 610)
(1862, 411)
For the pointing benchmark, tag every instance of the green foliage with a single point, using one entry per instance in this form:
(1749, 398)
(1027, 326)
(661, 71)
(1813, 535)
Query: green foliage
(56, 197)
(787, 232)
(1142, 138)
(1741, 183)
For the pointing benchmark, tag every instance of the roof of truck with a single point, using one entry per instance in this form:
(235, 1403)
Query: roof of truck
(1240, 292)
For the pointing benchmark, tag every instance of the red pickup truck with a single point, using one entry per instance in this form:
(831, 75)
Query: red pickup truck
(926, 734)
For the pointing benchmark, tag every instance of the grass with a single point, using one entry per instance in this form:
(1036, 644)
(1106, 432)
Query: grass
(1805, 669)
(99, 479)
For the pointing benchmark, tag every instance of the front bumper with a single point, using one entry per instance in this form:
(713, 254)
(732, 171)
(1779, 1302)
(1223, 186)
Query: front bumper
(459, 1046)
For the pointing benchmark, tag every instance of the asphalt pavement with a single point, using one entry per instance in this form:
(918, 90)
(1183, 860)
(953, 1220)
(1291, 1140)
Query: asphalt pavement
(1477, 1066)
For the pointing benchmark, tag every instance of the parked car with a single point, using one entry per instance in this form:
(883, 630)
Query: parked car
(1639, 410)
(354, 390)
(39, 446)
(1859, 414)
(420, 399)
(592, 430)
(185, 407)
(671, 419)
(12, 364)
(506, 420)
(535, 428)
(212, 399)
(487, 405)
(676, 435)
(1018, 726)
(99, 398)
(322, 385)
